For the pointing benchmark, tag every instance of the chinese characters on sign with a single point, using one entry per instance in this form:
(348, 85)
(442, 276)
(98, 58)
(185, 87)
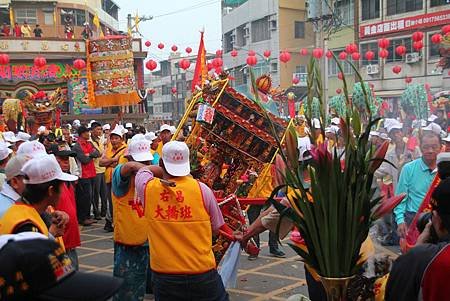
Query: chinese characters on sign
(175, 209)
(205, 113)
(419, 21)
(31, 72)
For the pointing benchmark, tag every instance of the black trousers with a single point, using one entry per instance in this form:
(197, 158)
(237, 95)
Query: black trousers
(100, 195)
(253, 212)
(84, 198)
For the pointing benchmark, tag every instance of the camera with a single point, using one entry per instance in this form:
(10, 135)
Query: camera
(422, 221)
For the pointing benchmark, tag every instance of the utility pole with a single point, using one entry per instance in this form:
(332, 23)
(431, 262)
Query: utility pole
(137, 19)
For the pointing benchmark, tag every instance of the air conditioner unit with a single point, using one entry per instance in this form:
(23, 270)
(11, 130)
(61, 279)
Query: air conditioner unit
(412, 58)
(372, 69)
(273, 68)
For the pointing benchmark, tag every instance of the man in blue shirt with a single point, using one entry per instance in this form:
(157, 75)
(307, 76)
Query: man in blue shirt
(415, 180)
(13, 187)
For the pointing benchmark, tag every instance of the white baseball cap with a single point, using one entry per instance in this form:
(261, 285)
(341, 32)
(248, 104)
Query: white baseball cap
(41, 129)
(45, 169)
(4, 150)
(119, 130)
(33, 149)
(316, 123)
(335, 121)
(433, 127)
(384, 136)
(14, 166)
(374, 134)
(21, 136)
(175, 156)
(76, 122)
(138, 136)
(151, 136)
(139, 149)
(446, 139)
(128, 125)
(106, 127)
(166, 127)
(432, 117)
(10, 137)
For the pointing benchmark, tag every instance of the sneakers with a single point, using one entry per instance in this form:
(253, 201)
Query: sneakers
(277, 253)
(252, 257)
(108, 227)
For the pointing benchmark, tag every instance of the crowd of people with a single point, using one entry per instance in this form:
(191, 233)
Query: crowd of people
(26, 31)
(139, 182)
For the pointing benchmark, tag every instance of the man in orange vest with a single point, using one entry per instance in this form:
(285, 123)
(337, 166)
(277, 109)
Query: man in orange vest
(130, 227)
(43, 177)
(182, 215)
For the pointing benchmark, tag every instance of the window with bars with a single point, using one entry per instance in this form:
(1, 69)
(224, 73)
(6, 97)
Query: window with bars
(166, 90)
(370, 9)
(333, 69)
(434, 3)
(26, 14)
(300, 69)
(433, 49)
(241, 37)
(395, 7)
(299, 30)
(345, 9)
(394, 57)
(228, 41)
(373, 46)
(260, 30)
(167, 107)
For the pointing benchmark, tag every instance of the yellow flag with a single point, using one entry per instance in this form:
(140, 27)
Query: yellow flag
(96, 23)
(136, 21)
(11, 16)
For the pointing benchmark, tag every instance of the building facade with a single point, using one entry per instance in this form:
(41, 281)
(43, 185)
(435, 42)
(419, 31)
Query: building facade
(60, 53)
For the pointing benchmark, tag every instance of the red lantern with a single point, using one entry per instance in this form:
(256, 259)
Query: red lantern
(445, 29)
(417, 36)
(161, 46)
(218, 70)
(418, 45)
(79, 64)
(252, 60)
(4, 59)
(251, 53)
(369, 55)
(356, 56)
(408, 79)
(351, 48)
(40, 61)
(396, 69)
(209, 66)
(317, 53)
(151, 65)
(184, 64)
(436, 38)
(338, 90)
(329, 54)
(340, 76)
(285, 56)
(174, 48)
(217, 62)
(427, 86)
(267, 54)
(343, 55)
(148, 44)
(383, 43)
(234, 53)
(188, 50)
(295, 80)
(219, 53)
(174, 90)
(383, 53)
(400, 50)
(151, 91)
(304, 51)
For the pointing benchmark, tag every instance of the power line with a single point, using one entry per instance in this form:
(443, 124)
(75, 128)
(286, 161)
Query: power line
(192, 7)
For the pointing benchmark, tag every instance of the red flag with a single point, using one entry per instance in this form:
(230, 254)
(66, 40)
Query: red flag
(201, 70)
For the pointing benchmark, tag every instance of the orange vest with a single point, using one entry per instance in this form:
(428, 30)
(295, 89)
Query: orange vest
(19, 214)
(129, 228)
(110, 154)
(180, 232)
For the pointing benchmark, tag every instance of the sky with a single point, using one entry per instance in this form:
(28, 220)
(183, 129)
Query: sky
(175, 22)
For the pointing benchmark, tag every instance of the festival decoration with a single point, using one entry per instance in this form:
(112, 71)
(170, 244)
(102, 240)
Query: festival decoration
(264, 83)
(219, 53)
(315, 108)
(218, 70)
(436, 38)
(338, 90)
(13, 113)
(351, 48)
(40, 61)
(340, 76)
(369, 55)
(148, 43)
(184, 64)
(161, 46)
(174, 48)
(337, 105)
(383, 53)
(151, 65)
(234, 53)
(79, 64)
(414, 101)
(356, 56)
(445, 29)
(4, 59)
(267, 54)
(251, 53)
(304, 51)
(408, 79)
(400, 50)
(285, 56)
(317, 53)
(396, 69)
(188, 50)
(173, 90)
(418, 45)
(217, 62)
(295, 80)
(359, 98)
(205, 113)
(110, 72)
(329, 54)
(252, 60)
(343, 55)
(383, 43)
(151, 91)
(417, 36)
